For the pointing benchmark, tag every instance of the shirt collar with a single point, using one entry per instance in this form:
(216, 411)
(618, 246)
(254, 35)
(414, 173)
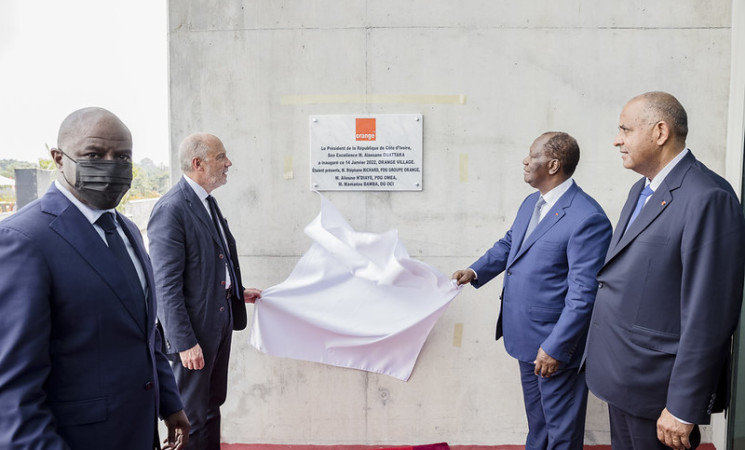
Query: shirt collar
(198, 189)
(91, 214)
(553, 196)
(660, 177)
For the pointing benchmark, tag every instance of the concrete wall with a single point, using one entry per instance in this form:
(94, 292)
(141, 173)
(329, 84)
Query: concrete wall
(253, 72)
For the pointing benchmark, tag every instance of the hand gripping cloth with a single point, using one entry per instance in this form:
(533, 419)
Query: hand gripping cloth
(354, 300)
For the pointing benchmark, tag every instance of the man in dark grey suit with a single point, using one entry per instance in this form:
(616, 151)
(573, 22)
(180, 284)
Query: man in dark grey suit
(198, 281)
(670, 289)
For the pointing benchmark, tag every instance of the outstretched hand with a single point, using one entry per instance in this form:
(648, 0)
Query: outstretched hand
(464, 276)
(250, 295)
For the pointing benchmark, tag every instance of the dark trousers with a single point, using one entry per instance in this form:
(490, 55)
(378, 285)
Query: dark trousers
(555, 407)
(629, 432)
(204, 391)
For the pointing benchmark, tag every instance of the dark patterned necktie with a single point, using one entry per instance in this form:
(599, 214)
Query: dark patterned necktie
(218, 221)
(116, 245)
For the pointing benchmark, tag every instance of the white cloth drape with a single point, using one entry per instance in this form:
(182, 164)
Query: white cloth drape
(353, 300)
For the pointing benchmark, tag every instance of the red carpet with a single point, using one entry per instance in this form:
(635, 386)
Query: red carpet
(442, 446)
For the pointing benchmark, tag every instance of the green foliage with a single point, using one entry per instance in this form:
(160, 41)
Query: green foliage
(7, 194)
(149, 180)
(8, 167)
(47, 164)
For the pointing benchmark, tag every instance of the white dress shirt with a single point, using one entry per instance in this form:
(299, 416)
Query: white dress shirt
(553, 196)
(203, 194)
(92, 215)
(660, 177)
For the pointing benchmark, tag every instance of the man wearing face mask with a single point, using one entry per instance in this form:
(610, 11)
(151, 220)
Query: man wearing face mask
(80, 359)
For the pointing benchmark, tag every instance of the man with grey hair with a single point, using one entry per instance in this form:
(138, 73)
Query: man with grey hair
(670, 290)
(198, 280)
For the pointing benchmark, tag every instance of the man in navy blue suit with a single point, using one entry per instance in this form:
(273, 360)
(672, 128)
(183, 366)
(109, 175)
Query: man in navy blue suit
(198, 279)
(80, 356)
(670, 289)
(550, 258)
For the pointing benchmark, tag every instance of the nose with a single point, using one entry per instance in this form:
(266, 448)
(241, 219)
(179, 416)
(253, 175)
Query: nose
(228, 162)
(618, 141)
(526, 161)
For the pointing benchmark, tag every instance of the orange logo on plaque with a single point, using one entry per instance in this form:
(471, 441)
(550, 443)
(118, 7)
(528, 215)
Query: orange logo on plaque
(365, 130)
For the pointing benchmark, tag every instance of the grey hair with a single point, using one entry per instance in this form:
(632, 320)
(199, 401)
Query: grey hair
(563, 147)
(663, 106)
(193, 146)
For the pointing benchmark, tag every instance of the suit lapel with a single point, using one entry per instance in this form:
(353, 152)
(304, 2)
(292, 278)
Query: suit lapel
(552, 217)
(197, 208)
(520, 226)
(233, 250)
(133, 234)
(659, 201)
(626, 212)
(74, 228)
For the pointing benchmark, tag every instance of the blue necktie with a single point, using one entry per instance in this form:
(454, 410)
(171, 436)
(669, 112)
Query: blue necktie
(646, 192)
(116, 245)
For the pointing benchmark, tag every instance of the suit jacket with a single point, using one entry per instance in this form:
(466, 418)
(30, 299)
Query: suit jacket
(669, 298)
(189, 266)
(549, 283)
(77, 368)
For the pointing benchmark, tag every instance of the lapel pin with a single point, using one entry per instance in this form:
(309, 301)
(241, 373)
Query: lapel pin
(663, 203)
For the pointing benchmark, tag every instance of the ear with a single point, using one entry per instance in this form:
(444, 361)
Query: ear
(57, 157)
(196, 164)
(554, 167)
(661, 133)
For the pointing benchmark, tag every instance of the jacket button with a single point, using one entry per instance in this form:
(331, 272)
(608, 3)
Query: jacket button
(148, 386)
(600, 285)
